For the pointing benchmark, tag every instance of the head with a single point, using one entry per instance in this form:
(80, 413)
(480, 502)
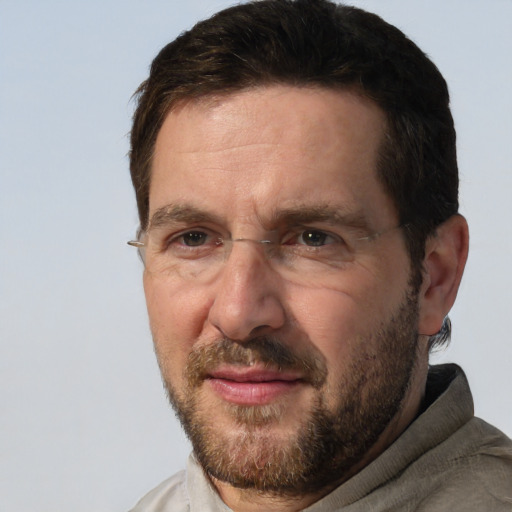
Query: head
(316, 43)
(266, 74)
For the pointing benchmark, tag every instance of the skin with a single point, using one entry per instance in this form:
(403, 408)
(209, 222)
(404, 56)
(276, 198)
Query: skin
(241, 158)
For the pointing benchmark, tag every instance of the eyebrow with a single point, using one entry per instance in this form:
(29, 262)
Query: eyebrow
(178, 213)
(294, 216)
(336, 216)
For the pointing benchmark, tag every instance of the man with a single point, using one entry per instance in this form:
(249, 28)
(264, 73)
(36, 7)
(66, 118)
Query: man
(295, 171)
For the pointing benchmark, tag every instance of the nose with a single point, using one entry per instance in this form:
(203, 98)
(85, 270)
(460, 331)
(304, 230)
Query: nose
(247, 299)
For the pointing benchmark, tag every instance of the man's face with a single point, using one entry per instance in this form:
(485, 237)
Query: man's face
(284, 370)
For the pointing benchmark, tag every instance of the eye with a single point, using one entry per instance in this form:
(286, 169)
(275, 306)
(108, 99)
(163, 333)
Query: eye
(191, 243)
(313, 238)
(194, 238)
(168, 249)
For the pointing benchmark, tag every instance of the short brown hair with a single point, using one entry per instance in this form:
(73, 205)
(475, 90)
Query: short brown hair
(317, 43)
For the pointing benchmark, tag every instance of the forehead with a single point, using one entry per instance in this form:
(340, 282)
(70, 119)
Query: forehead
(280, 145)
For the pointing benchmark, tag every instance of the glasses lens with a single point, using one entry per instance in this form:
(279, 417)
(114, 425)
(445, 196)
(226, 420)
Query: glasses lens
(309, 258)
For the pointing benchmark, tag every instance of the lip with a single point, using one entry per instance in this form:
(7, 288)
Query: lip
(252, 385)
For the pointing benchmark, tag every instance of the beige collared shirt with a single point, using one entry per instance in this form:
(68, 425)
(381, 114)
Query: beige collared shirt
(446, 461)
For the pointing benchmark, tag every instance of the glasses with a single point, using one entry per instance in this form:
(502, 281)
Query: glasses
(306, 256)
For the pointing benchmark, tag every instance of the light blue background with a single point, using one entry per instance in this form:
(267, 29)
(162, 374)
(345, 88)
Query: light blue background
(84, 422)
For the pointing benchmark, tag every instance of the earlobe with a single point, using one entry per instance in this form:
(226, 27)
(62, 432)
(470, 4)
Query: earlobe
(445, 258)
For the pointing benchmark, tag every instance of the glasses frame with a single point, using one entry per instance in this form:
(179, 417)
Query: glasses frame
(139, 245)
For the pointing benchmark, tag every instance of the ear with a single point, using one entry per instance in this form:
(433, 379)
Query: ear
(446, 253)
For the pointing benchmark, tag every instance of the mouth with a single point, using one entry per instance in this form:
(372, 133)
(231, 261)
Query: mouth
(253, 385)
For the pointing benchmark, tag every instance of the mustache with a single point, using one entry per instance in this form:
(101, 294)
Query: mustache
(268, 351)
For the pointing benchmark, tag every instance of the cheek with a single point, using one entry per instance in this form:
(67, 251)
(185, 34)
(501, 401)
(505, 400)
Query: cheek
(178, 309)
(337, 320)
(176, 316)
(330, 320)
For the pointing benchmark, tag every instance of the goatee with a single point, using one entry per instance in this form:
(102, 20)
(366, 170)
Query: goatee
(329, 440)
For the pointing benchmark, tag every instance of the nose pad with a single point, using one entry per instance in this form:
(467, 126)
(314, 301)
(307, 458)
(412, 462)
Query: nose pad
(248, 299)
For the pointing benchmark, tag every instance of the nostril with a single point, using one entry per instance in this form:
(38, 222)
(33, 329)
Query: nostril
(260, 330)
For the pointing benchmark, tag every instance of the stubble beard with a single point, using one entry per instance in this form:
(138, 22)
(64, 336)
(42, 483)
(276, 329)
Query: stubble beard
(327, 443)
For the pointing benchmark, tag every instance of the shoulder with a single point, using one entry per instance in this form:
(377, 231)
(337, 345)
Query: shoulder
(476, 471)
(490, 459)
(170, 496)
